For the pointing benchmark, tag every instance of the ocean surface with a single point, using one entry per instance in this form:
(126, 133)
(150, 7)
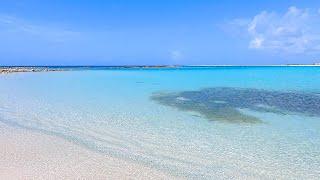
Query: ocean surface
(190, 122)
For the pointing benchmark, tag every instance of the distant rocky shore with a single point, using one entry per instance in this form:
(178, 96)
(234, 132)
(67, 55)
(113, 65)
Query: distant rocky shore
(16, 69)
(5, 70)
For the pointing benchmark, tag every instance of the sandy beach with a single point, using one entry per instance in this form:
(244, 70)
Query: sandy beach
(30, 155)
(107, 124)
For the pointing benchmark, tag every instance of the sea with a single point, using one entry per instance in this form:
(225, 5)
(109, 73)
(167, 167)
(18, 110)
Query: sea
(223, 122)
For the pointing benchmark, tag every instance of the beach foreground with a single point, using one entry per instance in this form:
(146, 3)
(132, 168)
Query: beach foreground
(186, 122)
(30, 155)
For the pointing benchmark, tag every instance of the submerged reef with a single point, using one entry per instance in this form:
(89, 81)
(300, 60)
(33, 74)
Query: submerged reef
(223, 103)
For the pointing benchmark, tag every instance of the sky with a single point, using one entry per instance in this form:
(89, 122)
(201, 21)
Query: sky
(159, 32)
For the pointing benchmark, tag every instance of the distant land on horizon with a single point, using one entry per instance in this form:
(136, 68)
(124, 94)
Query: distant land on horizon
(12, 69)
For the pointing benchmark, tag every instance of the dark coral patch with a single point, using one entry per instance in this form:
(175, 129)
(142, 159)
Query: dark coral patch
(222, 103)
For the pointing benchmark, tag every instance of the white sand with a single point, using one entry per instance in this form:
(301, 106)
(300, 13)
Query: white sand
(30, 155)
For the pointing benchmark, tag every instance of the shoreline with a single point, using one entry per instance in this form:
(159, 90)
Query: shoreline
(26, 154)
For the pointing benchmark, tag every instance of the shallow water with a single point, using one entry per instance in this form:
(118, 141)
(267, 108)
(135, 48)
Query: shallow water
(113, 111)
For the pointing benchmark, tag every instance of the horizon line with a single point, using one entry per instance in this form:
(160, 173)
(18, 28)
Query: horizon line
(172, 65)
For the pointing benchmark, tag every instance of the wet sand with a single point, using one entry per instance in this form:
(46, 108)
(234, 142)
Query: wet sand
(30, 155)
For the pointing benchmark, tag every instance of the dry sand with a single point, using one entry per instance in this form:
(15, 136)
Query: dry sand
(29, 155)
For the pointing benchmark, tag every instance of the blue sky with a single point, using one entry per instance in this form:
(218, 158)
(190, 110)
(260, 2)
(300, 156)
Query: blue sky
(141, 32)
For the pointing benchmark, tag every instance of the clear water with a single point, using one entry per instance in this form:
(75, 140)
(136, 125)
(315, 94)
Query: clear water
(110, 111)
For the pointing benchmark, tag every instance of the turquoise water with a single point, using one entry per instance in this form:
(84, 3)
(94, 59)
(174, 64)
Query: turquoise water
(111, 111)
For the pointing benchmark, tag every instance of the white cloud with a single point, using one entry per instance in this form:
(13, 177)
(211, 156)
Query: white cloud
(295, 31)
(176, 55)
(256, 42)
(46, 32)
